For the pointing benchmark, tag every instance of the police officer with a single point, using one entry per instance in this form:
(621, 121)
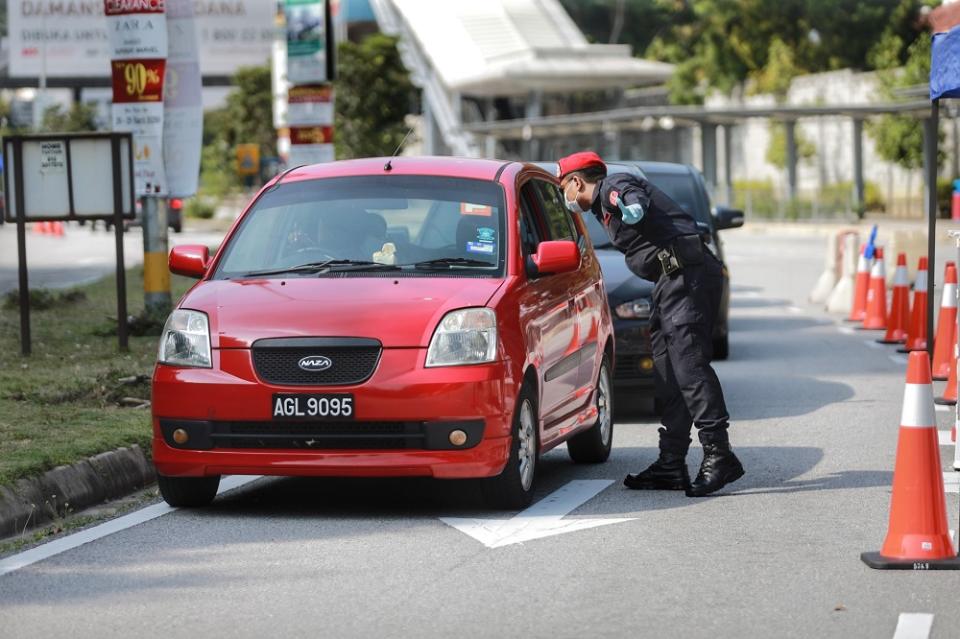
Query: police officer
(662, 244)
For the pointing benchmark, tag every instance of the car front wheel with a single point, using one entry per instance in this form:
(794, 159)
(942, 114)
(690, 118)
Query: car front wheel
(188, 492)
(513, 488)
(593, 446)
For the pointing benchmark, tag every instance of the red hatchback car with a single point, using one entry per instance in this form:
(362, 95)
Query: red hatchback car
(413, 317)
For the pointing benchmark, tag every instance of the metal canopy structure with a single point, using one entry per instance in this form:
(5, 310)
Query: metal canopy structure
(496, 49)
(606, 125)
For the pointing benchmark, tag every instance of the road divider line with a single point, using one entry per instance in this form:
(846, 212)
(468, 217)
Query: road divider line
(913, 625)
(63, 544)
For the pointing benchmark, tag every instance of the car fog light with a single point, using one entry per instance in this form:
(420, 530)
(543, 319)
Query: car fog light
(646, 364)
(458, 438)
(180, 436)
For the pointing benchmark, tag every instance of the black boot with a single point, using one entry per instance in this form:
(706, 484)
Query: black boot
(669, 472)
(719, 468)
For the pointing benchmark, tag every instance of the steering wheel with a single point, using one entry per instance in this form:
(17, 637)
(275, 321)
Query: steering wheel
(316, 250)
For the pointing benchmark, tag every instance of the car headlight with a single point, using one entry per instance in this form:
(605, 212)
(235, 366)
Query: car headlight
(634, 309)
(185, 340)
(467, 336)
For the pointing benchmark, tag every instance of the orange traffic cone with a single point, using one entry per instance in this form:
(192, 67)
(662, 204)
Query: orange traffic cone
(860, 288)
(57, 228)
(950, 392)
(946, 339)
(917, 536)
(900, 306)
(917, 333)
(876, 319)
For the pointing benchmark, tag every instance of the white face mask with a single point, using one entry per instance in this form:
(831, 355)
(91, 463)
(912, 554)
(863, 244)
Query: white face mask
(573, 205)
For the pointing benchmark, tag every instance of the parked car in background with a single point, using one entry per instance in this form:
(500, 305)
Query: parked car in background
(631, 297)
(434, 317)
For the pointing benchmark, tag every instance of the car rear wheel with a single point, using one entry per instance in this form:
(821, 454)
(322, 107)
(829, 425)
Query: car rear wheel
(188, 492)
(513, 488)
(593, 446)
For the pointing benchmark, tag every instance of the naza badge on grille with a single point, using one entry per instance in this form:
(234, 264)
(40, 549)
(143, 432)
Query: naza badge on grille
(315, 363)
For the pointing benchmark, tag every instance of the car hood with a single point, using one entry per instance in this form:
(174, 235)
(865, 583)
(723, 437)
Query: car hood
(398, 311)
(621, 283)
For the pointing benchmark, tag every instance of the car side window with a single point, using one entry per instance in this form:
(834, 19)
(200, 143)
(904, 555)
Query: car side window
(532, 226)
(558, 218)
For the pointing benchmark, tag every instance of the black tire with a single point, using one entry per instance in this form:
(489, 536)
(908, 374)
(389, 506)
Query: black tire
(593, 446)
(721, 348)
(507, 491)
(188, 492)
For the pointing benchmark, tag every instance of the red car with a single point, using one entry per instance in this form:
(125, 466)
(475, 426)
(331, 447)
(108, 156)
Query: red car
(429, 317)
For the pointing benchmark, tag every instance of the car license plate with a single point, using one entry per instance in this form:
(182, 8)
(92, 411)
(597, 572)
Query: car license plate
(312, 406)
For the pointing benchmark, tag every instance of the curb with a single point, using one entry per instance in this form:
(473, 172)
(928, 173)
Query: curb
(34, 501)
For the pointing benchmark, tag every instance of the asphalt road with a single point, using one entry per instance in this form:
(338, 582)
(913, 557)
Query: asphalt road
(816, 412)
(77, 257)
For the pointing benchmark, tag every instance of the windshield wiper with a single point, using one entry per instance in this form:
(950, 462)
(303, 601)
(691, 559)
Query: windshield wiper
(451, 262)
(316, 267)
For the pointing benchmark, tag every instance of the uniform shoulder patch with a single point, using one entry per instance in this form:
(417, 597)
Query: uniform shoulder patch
(614, 196)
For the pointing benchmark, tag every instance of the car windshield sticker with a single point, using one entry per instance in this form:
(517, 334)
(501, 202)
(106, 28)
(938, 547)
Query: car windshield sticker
(486, 235)
(477, 247)
(466, 208)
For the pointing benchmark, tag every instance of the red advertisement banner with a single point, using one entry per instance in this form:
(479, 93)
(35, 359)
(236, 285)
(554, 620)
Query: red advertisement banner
(126, 7)
(137, 80)
(311, 135)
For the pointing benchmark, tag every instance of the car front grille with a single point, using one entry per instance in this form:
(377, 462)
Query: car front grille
(628, 367)
(353, 360)
(319, 435)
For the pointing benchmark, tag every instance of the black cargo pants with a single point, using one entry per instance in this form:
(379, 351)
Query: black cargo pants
(686, 305)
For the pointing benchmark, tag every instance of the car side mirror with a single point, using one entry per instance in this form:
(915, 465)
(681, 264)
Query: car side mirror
(189, 260)
(561, 256)
(725, 218)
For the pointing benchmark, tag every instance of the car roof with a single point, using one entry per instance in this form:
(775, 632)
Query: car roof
(612, 167)
(437, 166)
(674, 168)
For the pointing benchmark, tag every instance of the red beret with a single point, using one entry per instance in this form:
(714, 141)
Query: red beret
(578, 162)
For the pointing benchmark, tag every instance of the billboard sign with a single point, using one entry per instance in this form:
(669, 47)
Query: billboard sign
(230, 34)
(306, 22)
(138, 47)
(182, 102)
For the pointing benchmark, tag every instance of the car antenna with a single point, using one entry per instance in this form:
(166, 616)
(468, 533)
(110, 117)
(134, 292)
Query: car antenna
(389, 165)
(283, 175)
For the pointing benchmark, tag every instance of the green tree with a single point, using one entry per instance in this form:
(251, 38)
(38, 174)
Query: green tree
(247, 117)
(79, 117)
(777, 150)
(373, 96)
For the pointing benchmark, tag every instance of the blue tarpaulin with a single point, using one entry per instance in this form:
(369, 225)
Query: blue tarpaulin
(945, 65)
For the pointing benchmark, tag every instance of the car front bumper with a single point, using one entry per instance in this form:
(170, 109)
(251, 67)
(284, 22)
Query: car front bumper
(634, 360)
(226, 413)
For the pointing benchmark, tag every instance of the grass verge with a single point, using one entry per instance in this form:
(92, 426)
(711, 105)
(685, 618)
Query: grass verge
(64, 403)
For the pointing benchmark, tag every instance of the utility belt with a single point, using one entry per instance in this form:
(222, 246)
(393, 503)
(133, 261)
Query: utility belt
(686, 250)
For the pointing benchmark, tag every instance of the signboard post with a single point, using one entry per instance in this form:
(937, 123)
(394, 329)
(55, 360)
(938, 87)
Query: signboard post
(139, 46)
(61, 177)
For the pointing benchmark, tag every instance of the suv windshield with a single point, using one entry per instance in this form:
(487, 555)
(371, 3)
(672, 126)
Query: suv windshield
(368, 224)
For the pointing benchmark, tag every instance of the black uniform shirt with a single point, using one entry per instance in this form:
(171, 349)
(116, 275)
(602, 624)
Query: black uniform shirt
(640, 220)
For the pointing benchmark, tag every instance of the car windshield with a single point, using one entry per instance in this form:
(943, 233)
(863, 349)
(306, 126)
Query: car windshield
(368, 224)
(680, 187)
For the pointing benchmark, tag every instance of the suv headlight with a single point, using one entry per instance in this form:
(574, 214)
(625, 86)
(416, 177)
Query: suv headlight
(467, 336)
(185, 340)
(634, 309)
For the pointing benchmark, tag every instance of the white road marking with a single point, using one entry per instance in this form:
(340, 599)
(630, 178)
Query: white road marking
(913, 625)
(847, 330)
(872, 343)
(898, 359)
(944, 436)
(943, 408)
(951, 482)
(795, 309)
(543, 519)
(63, 544)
